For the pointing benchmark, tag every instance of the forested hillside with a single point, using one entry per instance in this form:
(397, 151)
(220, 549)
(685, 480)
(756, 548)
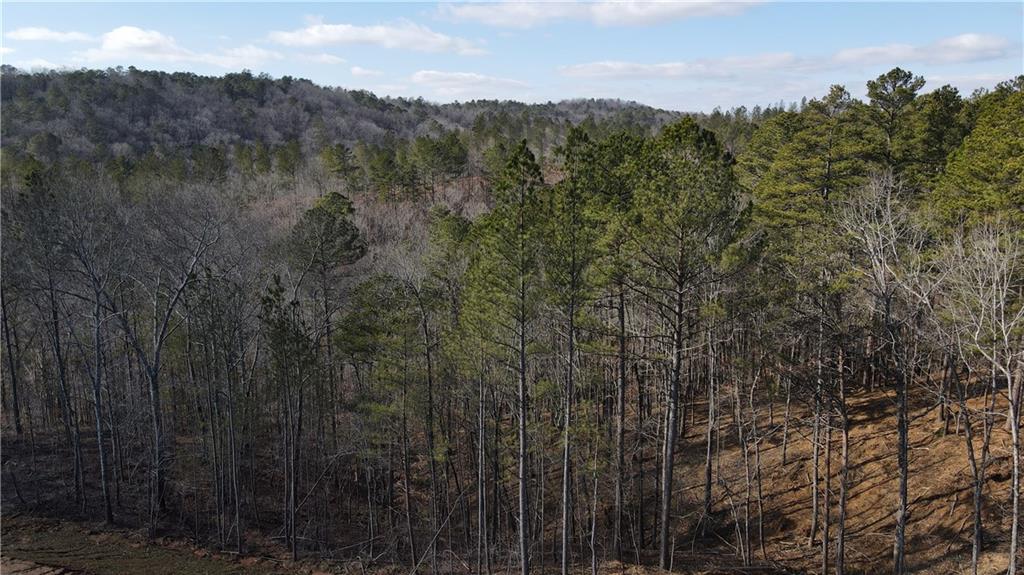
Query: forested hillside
(329, 331)
(131, 115)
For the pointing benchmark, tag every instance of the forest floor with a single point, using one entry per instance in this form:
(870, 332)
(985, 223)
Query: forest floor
(939, 528)
(39, 539)
(43, 546)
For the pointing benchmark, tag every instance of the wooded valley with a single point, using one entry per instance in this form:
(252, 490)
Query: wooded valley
(336, 332)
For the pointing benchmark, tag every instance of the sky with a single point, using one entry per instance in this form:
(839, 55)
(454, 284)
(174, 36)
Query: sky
(686, 56)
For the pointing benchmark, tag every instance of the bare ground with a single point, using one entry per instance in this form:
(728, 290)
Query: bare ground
(40, 539)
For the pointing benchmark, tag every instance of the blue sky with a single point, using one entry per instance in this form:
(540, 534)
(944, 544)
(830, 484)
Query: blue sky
(689, 56)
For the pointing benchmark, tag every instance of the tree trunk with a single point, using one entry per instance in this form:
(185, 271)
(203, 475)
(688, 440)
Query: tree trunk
(1015, 482)
(236, 494)
(978, 466)
(785, 420)
(899, 566)
(665, 547)
(816, 435)
(482, 523)
(157, 503)
(431, 456)
(710, 433)
(844, 479)
(826, 515)
(620, 429)
(69, 415)
(524, 503)
(406, 473)
(11, 364)
(567, 445)
(641, 398)
(97, 395)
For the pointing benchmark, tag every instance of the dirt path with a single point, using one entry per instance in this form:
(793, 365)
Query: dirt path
(18, 567)
(34, 546)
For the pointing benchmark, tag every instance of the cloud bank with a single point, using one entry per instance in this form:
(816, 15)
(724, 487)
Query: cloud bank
(523, 15)
(404, 35)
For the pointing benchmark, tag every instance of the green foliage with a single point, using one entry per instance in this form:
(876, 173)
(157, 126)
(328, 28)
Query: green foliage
(938, 129)
(387, 170)
(494, 160)
(796, 188)
(288, 158)
(359, 337)
(764, 147)
(291, 348)
(891, 97)
(685, 205)
(606, 171)
(244, 159)
(325, 238)
(985, 175)
(504, 276)
(570, 224)
(44, 146)
(735, 128)
(209, 164)
(338, 160)
(449, 251)
(439, 160)
(756, 273)
(261, 159)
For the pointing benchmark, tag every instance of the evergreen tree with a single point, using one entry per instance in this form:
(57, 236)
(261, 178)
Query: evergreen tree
(985, 175)
(891, 98)
(506, 293)
(569, 253)
(685, 210)
(938, 129)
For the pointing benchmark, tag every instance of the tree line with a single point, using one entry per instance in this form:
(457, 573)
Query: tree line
(127, 114)
(507, 375)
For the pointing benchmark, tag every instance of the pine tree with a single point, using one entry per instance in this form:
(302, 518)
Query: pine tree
(610, 175)
(505, 294)
(569, 235)
(891, 98)
(685, 210)
(985, 175)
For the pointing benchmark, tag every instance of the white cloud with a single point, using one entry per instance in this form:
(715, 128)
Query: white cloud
(360, 71)
(322, 58)
(874, 54)
(391, 89)
(6, 50)
(704, 68)
(972, 47)
(240, 57)
(985, 79)
(509, 14)
(466, 84)
(966, 83)
(956, 49)
(513, 14)
(405, 35)
(38, 34)
(37, 63)
(132, 44)
(633, 12)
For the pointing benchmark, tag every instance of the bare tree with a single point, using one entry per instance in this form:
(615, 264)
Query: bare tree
(888, 247)
(986, 305)
(174, 233)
